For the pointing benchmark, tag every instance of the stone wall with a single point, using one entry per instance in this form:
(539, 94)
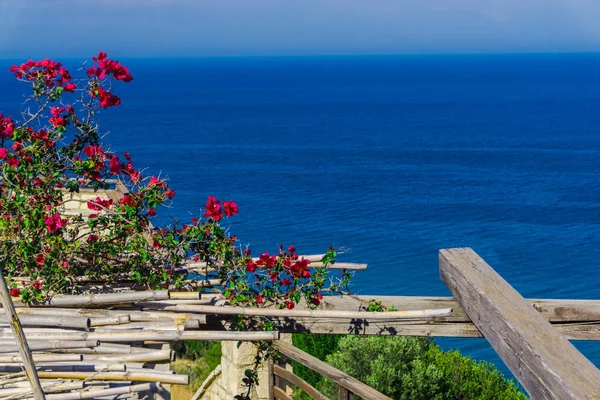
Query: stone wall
(234, 361)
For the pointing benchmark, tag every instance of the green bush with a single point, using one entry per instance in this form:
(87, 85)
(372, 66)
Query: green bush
(404, 368)
(417, 369)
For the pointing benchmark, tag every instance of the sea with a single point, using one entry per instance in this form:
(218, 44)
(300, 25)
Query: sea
(389, 158)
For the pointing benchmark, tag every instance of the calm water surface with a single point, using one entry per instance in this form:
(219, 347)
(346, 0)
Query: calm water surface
(390, 157)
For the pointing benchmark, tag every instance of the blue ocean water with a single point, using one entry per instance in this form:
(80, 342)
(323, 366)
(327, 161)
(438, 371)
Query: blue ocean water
(392, 158)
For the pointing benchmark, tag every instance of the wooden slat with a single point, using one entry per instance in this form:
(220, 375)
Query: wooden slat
(280, 394)
(555, 310)
(429, 328)
(540, 357)
(344, 394)
(299, 382)
(337, 376)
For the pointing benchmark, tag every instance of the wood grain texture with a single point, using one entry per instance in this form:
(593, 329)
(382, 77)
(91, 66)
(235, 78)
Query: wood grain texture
(337, 376)
(298, 382)
(280, 394)
(540, 357)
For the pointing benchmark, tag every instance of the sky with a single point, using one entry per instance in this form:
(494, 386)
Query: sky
(196, 28)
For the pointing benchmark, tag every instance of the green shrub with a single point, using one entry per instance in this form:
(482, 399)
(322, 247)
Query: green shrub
(417, 369)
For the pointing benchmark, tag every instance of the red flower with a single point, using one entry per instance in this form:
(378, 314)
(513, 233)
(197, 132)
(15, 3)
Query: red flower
(259, 299)
(99, 203)
(37, 285)
(247, 252)
(315, 301)
(107, 99)
(13, 162)
(127, 200)
(213, 209)
(15, 292)
(40, 259)
(152, 212)
(250, 266)
(89, 151)
(115, 165)
(3, 153)
(267, 260)
(69, 87)
(56, 111)
(155, 181)
(289, 305)
(57, 121)
(230, 208)
(291, 249)
(55, 222)
(286, 282)
(92, 238)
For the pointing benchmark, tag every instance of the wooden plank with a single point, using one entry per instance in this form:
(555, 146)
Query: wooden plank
(555, 310)
(280, 394)
(337, 376)
(299, 382)
(428, 328)
(540, 357)
(271, 379)
(344, 394)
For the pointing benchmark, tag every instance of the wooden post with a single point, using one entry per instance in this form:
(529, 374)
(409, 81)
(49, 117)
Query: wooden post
(17, 330)
(540, 357)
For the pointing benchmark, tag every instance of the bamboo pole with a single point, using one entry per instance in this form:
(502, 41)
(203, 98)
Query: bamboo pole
(36, 345)
(107, 393)
(103, 321)
(49, 387)
(17, 330)
(59, 367)
(184, 295)
(14, 358)
(150, 376)
(147, 335)
(284, 313)
(90, 300)
(154, 357)
(59, 321)
(112, 348)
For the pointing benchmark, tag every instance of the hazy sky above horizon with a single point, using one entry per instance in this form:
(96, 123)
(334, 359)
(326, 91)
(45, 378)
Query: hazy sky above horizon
(166, 28)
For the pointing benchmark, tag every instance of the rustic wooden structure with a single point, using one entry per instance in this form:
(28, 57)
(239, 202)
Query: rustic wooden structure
(116, 344)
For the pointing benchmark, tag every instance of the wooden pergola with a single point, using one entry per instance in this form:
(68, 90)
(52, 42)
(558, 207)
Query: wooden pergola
(84, 345)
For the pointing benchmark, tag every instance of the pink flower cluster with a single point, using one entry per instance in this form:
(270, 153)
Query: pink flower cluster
(48, 72)
(215, 210)
(107, 66)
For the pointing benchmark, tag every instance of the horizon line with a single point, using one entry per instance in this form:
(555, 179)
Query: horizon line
(327, 55)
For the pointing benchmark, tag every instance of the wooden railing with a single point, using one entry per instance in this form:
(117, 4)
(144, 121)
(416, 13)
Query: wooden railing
(531, 336)
(283, 378)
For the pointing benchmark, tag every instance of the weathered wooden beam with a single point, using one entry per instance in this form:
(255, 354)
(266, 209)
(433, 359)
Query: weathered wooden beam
(427, 327)
(298, 382)
(540, 357)
(555, 310)
(337, 376)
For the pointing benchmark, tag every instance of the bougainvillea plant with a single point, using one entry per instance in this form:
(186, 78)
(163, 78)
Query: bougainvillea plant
(54, 149)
